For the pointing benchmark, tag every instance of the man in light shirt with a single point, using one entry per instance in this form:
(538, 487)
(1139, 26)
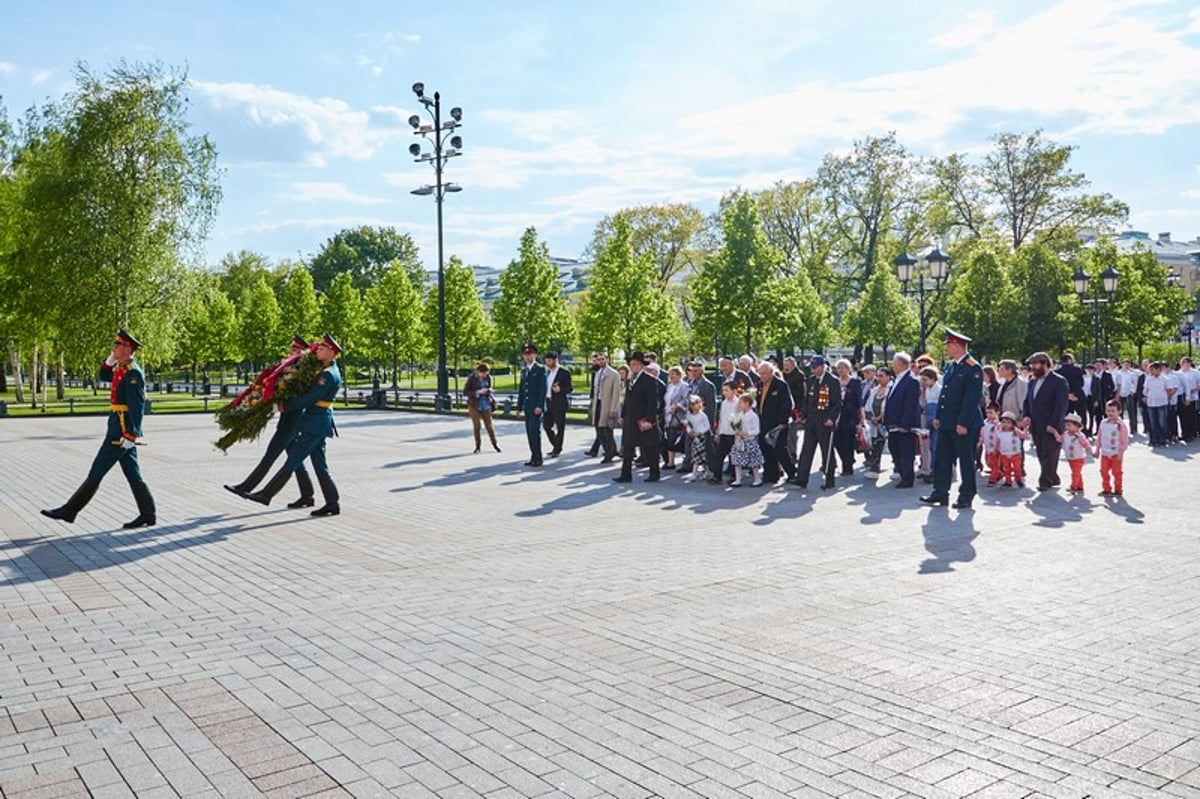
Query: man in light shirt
(1187, 401)
(1128, 388)
(1156, 389)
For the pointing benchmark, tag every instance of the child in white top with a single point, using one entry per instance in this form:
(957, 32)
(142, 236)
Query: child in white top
(1076, 448)
(1111, 443)
(746, 453)
(725, 414)
(1010, 444)
(698, 428)
(987, 436)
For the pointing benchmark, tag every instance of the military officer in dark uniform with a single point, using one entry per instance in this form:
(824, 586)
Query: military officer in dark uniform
(958, 422)
(531, 399)
(316, 425)
(285, 431)
(823, 403)
(127, 403)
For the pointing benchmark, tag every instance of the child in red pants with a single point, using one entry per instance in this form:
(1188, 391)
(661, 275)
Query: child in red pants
(987, 436)
(1111, 443)
(1010, 443)
(1076, 447)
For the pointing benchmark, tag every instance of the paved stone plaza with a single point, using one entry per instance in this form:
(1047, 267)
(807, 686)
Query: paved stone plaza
(468, 627)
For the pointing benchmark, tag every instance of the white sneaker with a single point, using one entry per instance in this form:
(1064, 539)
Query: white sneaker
(757, 483)
(736, 484)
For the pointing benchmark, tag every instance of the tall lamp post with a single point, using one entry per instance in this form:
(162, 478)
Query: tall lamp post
(443, 150)
(1109, 279)
(1189, 325)
(928, 282)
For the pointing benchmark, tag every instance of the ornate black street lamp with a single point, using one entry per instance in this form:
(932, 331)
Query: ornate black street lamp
(1109, 279)
(928, 285)
(443, 150)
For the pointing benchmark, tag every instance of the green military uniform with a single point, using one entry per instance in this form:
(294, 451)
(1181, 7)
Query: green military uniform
(127, 404)
(958, 405)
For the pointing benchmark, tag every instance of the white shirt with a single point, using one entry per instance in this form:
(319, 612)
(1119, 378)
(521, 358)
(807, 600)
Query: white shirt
(1155, 391)
(1176, 382)
(750, 425)
(728, 409)
(1129, 381)
(1087, 384)
(1191, 379)
(697, 423)
(550, 373)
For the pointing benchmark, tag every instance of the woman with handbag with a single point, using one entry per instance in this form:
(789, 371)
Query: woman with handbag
(480, 402)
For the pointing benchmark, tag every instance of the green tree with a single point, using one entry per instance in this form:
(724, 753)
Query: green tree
(222, 332)
(393, 327)
(301, 313)
(670, 234)
(881, 315)
(796, 220)
(735, 297)
(531, 307)
(1030, 179)
(466, 323)
(342, 314)
(1041, 279)
(116, 194)
(259, 331)
(241, 272)
(984, 303)
(625, 304)
(365, 253)
(869, 191)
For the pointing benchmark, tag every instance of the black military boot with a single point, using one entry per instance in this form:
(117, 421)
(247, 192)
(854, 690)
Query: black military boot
(82, 496)
(264, 495)
(304, 483)
(332, 499)
(147, 516)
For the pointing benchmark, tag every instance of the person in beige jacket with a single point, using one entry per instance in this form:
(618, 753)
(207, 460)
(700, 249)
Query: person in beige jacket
(605, 407)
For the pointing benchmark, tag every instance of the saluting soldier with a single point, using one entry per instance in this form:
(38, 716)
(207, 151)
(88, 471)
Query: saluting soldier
(958, 422)
(285, 431)
(316, 425)
(127, 403)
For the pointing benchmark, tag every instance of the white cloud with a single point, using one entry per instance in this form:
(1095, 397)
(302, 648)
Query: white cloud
(974, 28)
(328, 191)
(331, 126)
(7, 68)
(535, 126)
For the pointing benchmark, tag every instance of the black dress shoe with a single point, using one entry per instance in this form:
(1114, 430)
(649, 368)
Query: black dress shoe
(140, 521)
(259, 497)
(962, 504)
(935, 500)
(591, 453)
(327, 510)
(622, 479)
(903, 485)
(607, 459)
(476, 452)
(303, 502)
(651, 479)
(62, 514)
(496, 447)
(241, 492)
(554, 453)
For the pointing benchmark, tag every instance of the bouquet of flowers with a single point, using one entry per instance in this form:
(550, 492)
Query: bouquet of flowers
(735, 421)
(247, 415)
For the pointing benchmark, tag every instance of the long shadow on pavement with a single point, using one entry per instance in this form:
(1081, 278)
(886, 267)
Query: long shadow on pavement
(949, 539)
(108, 548)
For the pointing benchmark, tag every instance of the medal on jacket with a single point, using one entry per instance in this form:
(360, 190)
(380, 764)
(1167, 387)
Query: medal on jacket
(823, 398)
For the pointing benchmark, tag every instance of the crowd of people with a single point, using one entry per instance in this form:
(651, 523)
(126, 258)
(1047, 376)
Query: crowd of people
(761, 421)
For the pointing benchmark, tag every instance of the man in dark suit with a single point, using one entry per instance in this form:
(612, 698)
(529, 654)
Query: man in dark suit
(1074, 376)
(774, 411)
(1104, 388)
(558, 394)
(639, 430)
(531, 399)
(902, 417)
(958, 421)
(1045, 409)
(823, 402)
(729, 374)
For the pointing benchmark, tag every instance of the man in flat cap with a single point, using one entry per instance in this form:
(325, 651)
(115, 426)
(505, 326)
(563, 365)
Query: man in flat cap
(316, 425)
(127, 403)
(285, 431)
(531, 399)
(958, 421)
(640, 412)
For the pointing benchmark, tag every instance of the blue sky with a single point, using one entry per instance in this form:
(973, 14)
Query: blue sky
(574, 110)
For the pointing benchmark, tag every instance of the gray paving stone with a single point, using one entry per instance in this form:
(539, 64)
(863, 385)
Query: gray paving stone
(470, 628)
